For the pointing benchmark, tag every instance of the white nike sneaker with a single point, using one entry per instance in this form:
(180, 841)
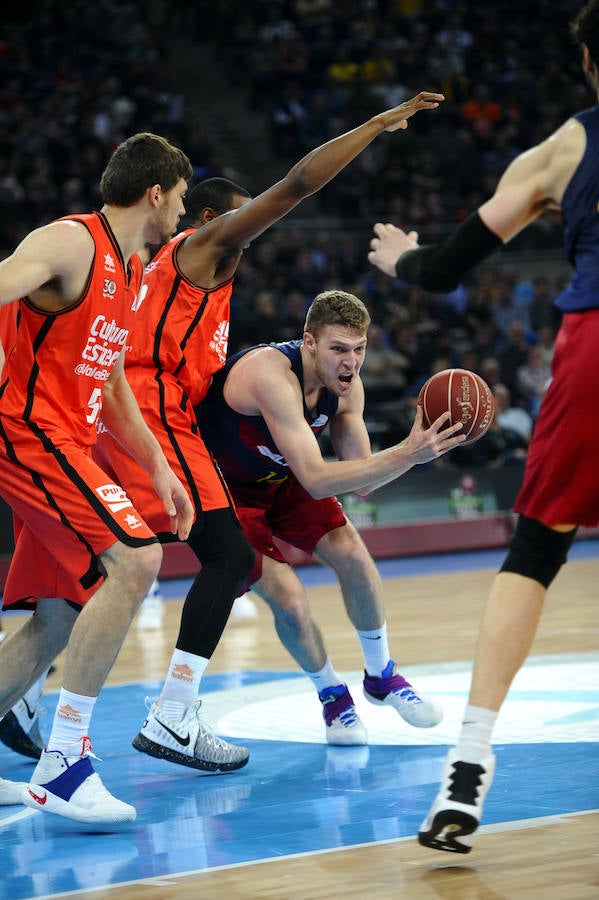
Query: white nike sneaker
(12, 792)
(190, 742)
(68, 786)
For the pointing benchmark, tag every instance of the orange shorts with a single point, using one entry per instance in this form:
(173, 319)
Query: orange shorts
(67, 512)
(171, 418)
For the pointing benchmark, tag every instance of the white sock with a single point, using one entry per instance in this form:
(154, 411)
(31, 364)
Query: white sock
(375, 648)
(474, 742)
(71, 721)
(182, 684)
(325, 677)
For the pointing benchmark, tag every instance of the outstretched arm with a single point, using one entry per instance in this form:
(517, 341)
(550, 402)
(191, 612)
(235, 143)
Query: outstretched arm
(307, 176)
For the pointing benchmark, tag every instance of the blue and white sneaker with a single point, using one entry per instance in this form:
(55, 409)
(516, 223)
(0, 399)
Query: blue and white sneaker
(343, 724)
(67, 785)
(392, 689)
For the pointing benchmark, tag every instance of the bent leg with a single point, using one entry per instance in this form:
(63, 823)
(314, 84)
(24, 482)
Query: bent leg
(508, 628)
(28, 652)
(102, 624)
(344, 551)
(280, 587)
(514, 607)
(284, 593)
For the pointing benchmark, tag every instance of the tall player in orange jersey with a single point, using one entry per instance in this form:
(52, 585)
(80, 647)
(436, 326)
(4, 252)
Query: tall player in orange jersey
(77, 282)
(189, 285)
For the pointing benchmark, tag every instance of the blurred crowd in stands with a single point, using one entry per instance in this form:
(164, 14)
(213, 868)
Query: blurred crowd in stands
(76, 79)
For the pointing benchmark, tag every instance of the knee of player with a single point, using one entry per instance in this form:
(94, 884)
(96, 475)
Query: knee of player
(355, 564)
(141, 565)
(290, 608)
(537, 551)
(244, 557)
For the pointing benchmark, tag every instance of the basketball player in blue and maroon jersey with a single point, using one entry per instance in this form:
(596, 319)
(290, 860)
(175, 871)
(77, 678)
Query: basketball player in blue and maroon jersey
(560, 490)
(261, 420)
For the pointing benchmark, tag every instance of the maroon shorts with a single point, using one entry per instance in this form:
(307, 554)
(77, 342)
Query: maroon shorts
(285, 512)
(561, 478)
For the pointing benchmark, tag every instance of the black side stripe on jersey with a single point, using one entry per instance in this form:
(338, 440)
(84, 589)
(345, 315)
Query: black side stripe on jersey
(88, 493)
(92, 574)
(193, 325)
(162, 321)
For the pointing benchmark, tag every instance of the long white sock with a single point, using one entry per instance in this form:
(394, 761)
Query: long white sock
(325, 677)
(474, 742)
(71, 721)
(375, 648)
(182, 684)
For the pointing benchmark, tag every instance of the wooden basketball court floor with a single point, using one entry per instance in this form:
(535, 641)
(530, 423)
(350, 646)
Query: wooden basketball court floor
(305, 820)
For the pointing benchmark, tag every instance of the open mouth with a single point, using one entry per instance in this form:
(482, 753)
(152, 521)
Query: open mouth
(346, 379)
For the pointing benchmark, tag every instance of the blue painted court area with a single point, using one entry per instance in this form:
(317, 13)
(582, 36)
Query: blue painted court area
(298, 795)
(293, 796)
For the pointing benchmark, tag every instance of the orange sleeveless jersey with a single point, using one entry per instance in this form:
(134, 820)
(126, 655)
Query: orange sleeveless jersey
(8, 326)
(178, 345)
(60, 361)
(67, 510)
(185, 329)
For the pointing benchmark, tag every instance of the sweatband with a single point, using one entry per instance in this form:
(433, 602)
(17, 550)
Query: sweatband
(439, 268)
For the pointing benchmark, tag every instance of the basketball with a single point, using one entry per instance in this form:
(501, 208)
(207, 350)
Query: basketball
(467, 397)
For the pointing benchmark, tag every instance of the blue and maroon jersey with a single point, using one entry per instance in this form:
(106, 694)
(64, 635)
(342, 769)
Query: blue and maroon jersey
(243, 445)
(580, 209)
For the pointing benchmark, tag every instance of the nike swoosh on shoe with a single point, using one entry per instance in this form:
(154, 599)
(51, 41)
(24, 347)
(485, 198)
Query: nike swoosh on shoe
(183, 741)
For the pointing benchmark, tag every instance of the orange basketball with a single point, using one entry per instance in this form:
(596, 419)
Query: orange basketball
(467, 397)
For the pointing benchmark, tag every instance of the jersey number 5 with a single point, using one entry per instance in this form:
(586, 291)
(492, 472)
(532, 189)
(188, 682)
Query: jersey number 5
(95, 405)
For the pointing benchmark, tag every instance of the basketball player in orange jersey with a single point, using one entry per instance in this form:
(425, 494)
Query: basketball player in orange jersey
(77, 281)
(560, 490)
(19, 727)
(175, 353)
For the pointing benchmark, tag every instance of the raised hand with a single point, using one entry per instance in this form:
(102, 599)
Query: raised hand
(396, 118)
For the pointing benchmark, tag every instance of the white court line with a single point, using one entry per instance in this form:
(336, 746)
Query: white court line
(517, 825)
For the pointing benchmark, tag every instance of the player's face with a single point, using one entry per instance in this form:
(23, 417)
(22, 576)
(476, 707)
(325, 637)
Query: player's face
(339, 354)
(171, 209)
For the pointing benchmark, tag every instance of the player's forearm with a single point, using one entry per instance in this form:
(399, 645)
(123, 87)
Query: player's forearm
(122, 417)
(360, 474)
(440, 267)
(320, 165)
